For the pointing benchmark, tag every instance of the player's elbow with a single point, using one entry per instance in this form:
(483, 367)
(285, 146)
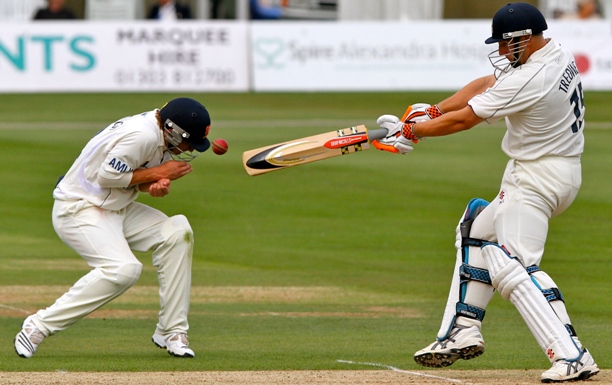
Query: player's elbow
(114, 181)
(467, 119)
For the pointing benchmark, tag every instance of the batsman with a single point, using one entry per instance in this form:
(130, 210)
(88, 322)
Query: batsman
(536, 88)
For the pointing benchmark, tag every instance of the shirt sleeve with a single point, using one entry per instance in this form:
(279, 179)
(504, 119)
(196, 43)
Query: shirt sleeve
(128, 153)
(509, 95)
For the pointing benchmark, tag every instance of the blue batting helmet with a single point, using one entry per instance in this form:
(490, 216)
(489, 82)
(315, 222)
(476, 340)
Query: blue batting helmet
(516, 19)
(191, 117)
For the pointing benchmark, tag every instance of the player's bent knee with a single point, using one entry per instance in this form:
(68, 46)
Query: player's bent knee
(124, 275)
(177, 229)
(506, 272)
(509, 278)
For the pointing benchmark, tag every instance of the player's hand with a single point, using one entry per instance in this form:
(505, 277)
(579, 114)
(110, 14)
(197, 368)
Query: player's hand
(421, 112)
(390, 122)
(174, 169)
(394, 142)
(396, 128)
(416, 111)
(160, 188)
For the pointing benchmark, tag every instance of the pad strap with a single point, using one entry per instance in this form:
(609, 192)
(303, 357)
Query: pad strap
(466, 241)
(469, 311)
(470, 273)
(552, 294)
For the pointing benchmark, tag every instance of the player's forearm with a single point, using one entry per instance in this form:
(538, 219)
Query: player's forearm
(144, 187)
(447, 124)
(461, 98)
(145, 176)
(170, 170)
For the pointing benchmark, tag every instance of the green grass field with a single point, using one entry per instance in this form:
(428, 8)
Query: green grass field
(345, 259)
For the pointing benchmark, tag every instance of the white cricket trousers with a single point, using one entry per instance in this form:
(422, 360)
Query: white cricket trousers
(532, 192)
(105, 239)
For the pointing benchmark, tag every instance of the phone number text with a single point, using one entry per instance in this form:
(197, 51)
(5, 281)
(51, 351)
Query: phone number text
(219, 77)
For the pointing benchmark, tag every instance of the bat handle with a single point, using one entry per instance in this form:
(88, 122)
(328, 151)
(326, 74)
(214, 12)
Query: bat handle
(377, 134)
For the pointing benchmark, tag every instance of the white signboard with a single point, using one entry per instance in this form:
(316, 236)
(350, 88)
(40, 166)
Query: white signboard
(96, 56)
(119, 56)
(435, 55)
(591, 45)
(368, 55)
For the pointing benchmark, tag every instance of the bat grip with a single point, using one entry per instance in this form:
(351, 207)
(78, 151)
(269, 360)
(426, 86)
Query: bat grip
(377, 134)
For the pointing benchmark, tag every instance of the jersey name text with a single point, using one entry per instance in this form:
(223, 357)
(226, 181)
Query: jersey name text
(570, 73)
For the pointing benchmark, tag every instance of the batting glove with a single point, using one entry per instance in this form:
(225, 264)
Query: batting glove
(394, 142)
(421, 112)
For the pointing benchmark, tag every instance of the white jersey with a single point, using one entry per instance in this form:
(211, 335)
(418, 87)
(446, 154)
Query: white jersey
(109, 160)
(543, 104)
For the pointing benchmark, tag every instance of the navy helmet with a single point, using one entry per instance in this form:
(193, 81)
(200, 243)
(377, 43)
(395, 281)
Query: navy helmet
(189, 121)
(516, 19)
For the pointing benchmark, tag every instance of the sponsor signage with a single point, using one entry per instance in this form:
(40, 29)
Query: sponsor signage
(119, 56)
(211, 55)
(392, 56)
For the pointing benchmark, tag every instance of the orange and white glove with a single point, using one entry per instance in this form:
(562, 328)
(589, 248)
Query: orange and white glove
(401, 133)
(395, 142)
(421, 112)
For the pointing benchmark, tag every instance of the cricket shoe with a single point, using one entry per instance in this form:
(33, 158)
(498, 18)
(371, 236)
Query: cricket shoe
(580, 369)
(463, 343)
(28, 339)
(175, 343)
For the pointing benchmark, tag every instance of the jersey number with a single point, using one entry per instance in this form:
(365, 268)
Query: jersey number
(577, 100)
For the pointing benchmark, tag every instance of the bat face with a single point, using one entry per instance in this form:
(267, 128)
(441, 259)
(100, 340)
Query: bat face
(306, 150)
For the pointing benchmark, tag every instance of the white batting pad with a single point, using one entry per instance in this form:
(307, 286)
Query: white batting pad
(474, 293)
(512, 281)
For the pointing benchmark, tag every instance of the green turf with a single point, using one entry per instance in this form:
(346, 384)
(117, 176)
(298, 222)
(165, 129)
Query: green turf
(374, 230)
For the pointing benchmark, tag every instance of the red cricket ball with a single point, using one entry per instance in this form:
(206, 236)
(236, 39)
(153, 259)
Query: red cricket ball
(219, 146)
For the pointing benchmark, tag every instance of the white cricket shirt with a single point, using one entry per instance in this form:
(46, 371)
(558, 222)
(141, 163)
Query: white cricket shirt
(102, 173)
(543, 104)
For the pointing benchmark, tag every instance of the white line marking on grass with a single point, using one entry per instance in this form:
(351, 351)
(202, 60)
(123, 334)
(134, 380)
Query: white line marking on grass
(399, 370)
(14, 308)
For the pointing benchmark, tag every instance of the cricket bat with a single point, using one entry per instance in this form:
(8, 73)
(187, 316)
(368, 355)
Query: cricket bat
(310, 149)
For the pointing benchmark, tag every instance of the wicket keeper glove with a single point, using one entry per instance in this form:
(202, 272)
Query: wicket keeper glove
(395, 142)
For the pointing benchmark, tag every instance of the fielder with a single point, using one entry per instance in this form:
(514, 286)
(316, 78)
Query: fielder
(95, 213)
(536, 87)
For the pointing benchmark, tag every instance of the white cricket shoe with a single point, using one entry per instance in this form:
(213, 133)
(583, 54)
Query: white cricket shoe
(175, 343)
(28, 339)
(463, 343)
(581, 369)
